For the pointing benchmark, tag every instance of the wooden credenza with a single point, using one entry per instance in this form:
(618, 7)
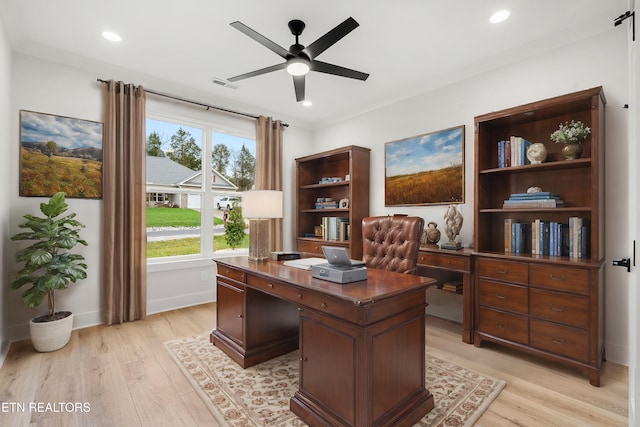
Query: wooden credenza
(348, 375)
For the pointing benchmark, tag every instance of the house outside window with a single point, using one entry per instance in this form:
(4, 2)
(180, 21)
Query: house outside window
(183, 219)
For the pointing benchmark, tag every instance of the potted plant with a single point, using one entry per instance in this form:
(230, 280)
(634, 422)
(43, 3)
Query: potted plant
(571, 135)
(48, 266)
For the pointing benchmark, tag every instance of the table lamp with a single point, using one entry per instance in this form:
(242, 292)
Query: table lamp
(259, 206)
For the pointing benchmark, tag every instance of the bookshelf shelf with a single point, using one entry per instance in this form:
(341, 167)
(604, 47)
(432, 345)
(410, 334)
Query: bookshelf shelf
(513, 292)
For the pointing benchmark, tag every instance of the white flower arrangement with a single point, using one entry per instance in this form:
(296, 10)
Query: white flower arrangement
(570, 132)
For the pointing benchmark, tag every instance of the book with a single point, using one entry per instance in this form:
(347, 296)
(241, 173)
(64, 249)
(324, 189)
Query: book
(532, 203)
(538, 195)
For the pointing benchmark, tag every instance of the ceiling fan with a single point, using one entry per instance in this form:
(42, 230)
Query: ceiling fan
(299, 60)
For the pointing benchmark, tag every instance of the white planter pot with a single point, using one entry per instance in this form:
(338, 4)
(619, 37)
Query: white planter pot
(51, 336)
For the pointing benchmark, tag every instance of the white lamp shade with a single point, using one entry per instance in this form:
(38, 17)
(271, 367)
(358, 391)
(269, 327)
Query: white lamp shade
(262, 204)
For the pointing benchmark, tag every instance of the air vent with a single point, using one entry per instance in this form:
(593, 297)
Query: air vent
(223, 82)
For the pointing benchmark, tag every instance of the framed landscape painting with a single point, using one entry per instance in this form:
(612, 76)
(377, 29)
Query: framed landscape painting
(426, 169)
(60, 154)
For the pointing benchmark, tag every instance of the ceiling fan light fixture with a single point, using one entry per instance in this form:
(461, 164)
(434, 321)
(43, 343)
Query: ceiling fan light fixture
(298, 67)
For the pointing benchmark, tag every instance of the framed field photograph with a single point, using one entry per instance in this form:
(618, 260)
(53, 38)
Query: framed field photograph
(426, 169)
(60, 154)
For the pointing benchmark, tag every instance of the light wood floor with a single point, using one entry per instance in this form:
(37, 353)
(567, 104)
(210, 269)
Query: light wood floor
(124, 377)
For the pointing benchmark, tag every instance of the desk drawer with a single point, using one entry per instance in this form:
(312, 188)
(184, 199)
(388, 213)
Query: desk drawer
(508, 271)
(563, 308)
(445, 261)
(503, 296)
(304, 297)
(562, 340)
(311, 247)
(560, 278)
(504, 325)
(232, 273)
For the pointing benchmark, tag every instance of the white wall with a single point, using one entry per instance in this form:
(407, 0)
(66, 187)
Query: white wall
(593, 62)
(6, 117)
(49, 87)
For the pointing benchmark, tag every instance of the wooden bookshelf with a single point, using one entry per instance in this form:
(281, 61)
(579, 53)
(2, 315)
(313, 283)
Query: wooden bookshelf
(551, 306)
(349, 164)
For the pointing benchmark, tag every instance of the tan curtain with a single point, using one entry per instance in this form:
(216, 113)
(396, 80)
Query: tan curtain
(124, 238)
(269, 167)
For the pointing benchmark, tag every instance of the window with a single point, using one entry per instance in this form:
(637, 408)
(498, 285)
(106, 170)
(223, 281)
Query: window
(184, 217)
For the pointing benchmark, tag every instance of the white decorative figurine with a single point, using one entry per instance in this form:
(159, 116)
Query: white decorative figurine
(452, 225)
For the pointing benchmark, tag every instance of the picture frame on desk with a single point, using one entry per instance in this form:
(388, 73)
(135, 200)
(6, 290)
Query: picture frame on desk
(426, 169)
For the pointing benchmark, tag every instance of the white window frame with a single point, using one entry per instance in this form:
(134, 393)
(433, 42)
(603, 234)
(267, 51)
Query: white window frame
(207, 195)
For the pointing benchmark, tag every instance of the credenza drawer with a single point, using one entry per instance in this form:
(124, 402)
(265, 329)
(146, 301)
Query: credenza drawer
(558, 339)
(508, 271)
(560, 278)
(563, 308)
(311, 247)
(231, 273)
(503, 296)
(446, 261)
(504, 325)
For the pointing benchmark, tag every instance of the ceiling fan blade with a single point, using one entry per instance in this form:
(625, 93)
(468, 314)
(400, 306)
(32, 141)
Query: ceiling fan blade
(326, 41)
(298, 84)
(259, 72)
(284, 53)
(336, 70)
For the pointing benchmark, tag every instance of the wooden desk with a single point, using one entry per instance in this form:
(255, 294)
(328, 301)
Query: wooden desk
(362, 345)
(445, 265)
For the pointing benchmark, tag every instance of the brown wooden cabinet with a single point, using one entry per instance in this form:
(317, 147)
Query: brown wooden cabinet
(351, 166)
(551, 306)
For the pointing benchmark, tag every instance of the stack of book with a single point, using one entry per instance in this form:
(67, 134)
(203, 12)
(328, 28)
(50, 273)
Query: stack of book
(335, 228)
(549, 238)
(453, 286)
(579, 237)
(515, 236)
(541, 199)
(513, 152)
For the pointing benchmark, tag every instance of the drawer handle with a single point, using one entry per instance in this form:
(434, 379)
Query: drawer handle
(501, 325)
(560, 278)
(299, 296)
(501, 296)
(559, 309)
(270, 285)
(323, 305)
(557, 341)
(505, 271)
(303, 359)
(240, 316)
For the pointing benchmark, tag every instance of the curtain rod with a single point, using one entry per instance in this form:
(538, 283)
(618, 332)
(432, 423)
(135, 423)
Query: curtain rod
(201, 104)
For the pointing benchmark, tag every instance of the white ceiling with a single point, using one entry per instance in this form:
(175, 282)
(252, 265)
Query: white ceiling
(407, 46)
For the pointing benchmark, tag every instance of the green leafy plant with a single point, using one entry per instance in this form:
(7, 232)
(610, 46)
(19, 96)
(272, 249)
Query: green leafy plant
(234, 229)
(573, 132)
(48, 264)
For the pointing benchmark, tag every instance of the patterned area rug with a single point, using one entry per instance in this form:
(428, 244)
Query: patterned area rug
(259, 396)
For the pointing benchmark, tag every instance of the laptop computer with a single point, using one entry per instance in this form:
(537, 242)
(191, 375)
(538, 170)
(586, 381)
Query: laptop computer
(338, 256)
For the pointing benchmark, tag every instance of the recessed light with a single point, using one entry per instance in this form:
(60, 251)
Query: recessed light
(307, 103)
(499, 16)
(111, 36)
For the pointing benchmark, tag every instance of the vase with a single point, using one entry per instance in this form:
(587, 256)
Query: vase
(433, 234)
(572, 151)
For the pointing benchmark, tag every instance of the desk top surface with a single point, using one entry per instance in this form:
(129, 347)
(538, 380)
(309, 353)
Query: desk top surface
(379, 285)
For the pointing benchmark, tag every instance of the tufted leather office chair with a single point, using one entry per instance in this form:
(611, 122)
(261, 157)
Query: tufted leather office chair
(392, 242)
